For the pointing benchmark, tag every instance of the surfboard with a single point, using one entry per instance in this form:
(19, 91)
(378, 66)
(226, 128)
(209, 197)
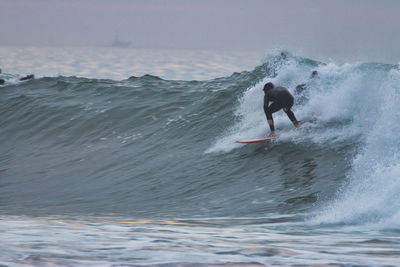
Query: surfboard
(268, 139)
(260, 140)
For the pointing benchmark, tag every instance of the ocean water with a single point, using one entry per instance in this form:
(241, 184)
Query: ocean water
(138, 165)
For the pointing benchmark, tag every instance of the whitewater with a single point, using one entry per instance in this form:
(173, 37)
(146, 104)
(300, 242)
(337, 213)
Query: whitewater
(144, 170)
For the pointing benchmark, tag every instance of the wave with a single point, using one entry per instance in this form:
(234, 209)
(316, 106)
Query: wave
(354, 104)
(371, 192)
(153, 147)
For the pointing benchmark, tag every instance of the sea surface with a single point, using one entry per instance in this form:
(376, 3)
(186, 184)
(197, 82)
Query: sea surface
(127, 157)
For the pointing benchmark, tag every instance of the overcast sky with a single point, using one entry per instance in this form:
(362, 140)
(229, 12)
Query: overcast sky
(347, 27)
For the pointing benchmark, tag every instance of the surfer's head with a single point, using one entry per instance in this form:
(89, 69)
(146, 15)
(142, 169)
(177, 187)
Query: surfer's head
(314, 73)
(268, 86)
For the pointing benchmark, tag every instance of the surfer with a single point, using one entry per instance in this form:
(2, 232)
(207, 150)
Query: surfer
(281, 98)
(301, 94)
(301, 87)
(24, 78)
(27, 77)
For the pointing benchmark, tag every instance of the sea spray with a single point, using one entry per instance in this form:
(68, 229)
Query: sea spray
(372, 190)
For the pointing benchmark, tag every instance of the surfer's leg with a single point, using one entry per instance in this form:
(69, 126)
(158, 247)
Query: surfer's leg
(274, 107)
(291, 116)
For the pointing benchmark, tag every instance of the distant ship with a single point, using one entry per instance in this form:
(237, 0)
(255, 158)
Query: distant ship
(118, 43)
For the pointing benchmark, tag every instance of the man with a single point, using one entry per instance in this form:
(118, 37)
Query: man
(302, 92)
(24, 78)
(301, 87)
(27, 77)
(281, 99)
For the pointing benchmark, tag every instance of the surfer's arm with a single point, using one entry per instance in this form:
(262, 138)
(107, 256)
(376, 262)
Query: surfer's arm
(266, 102)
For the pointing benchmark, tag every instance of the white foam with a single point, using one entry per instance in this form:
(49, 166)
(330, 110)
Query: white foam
(371, 194)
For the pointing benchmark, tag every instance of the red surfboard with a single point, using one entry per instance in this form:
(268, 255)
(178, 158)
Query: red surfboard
(268, 139)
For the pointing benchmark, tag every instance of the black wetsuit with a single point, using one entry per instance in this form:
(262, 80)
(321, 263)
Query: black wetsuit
(281, 98)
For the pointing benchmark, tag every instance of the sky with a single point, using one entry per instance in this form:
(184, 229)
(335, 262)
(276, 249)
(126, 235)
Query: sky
(367, 29)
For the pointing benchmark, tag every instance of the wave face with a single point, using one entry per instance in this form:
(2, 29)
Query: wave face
(155, 148)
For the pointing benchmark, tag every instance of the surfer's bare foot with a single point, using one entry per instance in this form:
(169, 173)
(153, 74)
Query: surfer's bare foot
(271, 134)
